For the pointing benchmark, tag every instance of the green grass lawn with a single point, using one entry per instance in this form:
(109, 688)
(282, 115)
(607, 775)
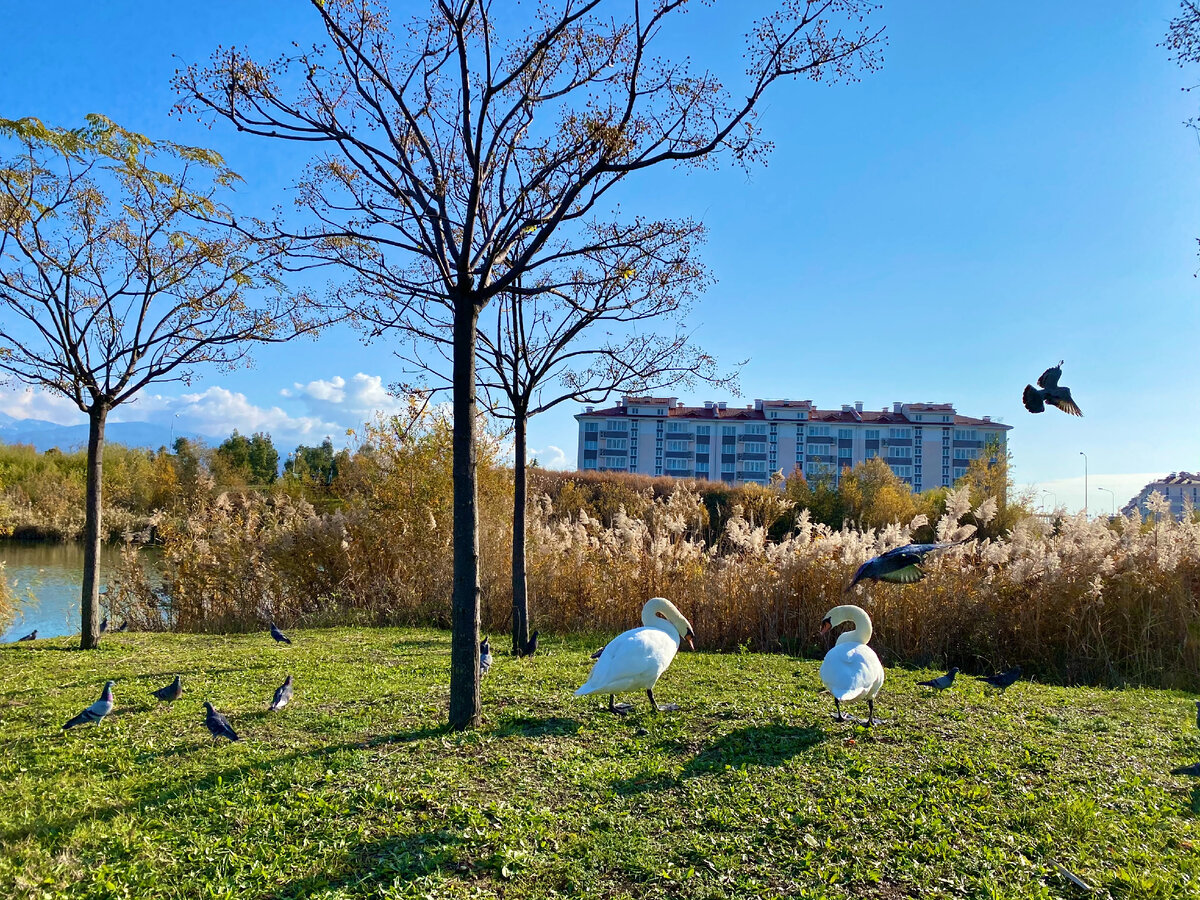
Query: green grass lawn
(355, 789)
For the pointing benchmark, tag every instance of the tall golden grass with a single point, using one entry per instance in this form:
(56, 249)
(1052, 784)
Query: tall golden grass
(1075, 601)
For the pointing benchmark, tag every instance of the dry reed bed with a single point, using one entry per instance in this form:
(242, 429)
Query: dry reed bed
(1083, 601)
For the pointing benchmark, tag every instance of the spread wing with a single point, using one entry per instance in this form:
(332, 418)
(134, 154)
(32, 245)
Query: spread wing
(906, 575)
(1064, 402)
(1050, 377)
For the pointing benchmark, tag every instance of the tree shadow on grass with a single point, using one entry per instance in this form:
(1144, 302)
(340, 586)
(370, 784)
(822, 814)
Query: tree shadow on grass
(754, 745)
(374, 866)
(547, 726)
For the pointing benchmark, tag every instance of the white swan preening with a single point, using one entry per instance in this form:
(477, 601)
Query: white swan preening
(851, 670)
(635, 659)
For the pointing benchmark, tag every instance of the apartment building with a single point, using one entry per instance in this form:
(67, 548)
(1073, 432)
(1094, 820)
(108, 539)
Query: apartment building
(927, 444)
(1181, 490)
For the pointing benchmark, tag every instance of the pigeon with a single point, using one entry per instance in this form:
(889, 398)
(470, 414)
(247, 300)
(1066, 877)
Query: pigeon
(901, 565)
(280, 637)
(942, 682)
(218, 724)
(1035, 401)
(104, 625)
(171, 692)
(1193, 770)
(485, 658)
(96, 711)
(1197, 706)
(530, 647)
(32, 636)
(283, 694)
(1002, 679)
(124, 626)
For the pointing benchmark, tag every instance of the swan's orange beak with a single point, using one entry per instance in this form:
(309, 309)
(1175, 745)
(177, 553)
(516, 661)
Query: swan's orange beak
(825, 626)
(688, 637)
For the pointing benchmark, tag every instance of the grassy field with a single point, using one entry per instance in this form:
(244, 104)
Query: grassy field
(749, 790)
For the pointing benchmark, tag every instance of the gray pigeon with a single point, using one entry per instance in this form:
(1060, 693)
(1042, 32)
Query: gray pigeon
(283, 694)
(485, 658)
(32, 636)
(1197, 709)
(1035, 401)
(96, 711)
(942, 682)
(218, 724)
(1002, 679)
(171, 692)
(280, 637)
(530, 648)
(900, 565)
(104, 625)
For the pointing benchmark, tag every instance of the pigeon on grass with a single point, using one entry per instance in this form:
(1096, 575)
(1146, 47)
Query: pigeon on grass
(32, 636)
(1002, 680)
(280, 637)
(171, 692)
(217, 724)
(97, 711)
(485, 657)
(942, 682)
(283, 694)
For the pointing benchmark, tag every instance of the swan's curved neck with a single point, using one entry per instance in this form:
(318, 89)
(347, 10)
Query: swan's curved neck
(861, 634)
(651, 619)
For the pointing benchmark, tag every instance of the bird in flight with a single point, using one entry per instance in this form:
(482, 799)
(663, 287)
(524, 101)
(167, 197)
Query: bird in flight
(900, 565)
(1035, 401)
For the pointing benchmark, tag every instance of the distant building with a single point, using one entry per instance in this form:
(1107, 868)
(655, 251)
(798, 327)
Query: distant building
(927, 444)
(1177, 488)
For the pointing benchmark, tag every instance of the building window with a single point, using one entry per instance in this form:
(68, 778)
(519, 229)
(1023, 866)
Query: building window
(614, 462)
(615, 443)
(897, 451)
(590, 426)
(703, 429)
(677, 446)
(616, 425)
(872, 434)
(727, 467)
(818, 431)
(701, 467)
(845, 452)
(845, 434)
(589, 445)
(754, 447)
(756, 428)
(965, 434)
(677, 464)
(589, 464)
(966, 453)
(903, 471)
(676, 426)
(754, 465)
(900, 434)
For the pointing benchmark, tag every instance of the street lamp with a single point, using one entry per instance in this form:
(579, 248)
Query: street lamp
(1113, 496)
(1084, 455)
(1055, 496)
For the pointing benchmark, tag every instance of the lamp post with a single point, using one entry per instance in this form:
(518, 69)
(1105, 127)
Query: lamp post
(1113, 496)
(1084, 455)
(1055, 496)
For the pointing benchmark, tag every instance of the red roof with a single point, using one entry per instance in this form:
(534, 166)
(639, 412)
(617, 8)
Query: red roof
(850, 416)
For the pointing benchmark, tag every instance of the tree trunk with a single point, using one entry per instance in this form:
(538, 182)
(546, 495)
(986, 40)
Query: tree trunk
(464, 638)
(89, 603)
(520, 618)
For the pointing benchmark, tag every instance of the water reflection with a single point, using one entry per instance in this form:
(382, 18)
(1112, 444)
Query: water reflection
(47, 579)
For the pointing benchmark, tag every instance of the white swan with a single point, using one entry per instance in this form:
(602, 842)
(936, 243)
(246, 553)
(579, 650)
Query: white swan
(851, 670)
(635, 659)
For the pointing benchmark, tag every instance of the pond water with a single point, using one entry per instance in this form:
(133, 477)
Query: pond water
(47, 579)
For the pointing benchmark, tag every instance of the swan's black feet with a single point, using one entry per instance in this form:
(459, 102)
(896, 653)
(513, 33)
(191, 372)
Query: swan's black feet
(620, 709)
(666, 707)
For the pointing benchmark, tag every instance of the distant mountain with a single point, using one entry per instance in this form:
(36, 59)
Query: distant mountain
(44, 435)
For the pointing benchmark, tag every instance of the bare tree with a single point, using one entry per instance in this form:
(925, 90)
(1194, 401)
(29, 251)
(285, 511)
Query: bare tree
(473, 148)
(115, 273)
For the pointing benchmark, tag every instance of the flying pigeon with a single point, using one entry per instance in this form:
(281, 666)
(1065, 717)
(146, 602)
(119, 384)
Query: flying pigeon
(485, 658)
(1035, 401)
(1003, 679)
(530, 647)
(171, 692)
(32, 636)
(104, 625)
(283, 694)
(942, 682)
(279, 636)
(901, 565)
(218, 724)
(97, 710)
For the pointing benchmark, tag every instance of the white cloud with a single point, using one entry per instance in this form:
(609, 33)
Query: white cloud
(357, 400)
(550, 458)
(28, 403)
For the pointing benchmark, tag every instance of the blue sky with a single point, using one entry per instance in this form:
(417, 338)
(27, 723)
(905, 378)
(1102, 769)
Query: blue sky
(1014, 187)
